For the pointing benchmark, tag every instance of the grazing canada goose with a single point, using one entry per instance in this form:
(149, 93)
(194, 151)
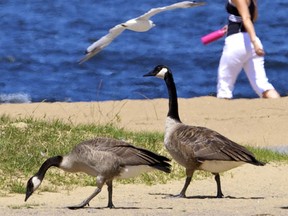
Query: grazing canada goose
(138, 24)
(198, 148)
(104, 158)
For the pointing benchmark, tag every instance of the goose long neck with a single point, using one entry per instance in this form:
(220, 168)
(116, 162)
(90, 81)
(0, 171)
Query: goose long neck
(53, 161)
(173, 103)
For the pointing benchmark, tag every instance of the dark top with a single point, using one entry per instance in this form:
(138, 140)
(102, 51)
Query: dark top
(235, 27)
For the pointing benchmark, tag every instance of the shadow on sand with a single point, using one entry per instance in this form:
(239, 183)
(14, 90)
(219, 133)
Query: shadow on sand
(171, 196)
(123, 208)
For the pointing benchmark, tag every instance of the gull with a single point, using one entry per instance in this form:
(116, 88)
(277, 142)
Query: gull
(138, 24)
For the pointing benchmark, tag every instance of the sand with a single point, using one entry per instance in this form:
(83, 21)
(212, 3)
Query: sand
(248, 190)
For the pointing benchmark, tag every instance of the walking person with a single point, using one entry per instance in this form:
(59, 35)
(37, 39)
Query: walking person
(243, 50)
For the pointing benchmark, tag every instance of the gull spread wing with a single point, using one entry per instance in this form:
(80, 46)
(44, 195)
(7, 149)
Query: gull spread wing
(183, 4)
(104, 41)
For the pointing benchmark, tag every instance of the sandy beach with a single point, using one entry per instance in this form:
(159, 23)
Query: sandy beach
(248, 190)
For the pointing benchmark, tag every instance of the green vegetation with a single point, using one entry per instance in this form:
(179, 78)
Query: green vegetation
(25, 206)
(26, 143)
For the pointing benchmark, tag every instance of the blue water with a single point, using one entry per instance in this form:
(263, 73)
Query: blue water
(41, 42)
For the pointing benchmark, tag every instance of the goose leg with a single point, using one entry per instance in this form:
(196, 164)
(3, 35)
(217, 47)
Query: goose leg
(189, 175)
(182, 194)
(110, 188)
(183, 191)
(86, 201)
(219, 191)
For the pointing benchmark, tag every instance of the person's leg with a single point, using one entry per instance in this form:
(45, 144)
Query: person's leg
(227, 76)
(230, 66)
(256, 74)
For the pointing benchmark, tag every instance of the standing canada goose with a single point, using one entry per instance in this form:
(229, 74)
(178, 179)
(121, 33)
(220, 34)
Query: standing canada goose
(198, 148)
(104, 158)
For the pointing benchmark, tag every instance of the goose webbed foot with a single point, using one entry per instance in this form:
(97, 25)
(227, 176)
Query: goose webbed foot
(180, 195)
(81, 205)
(86, 201)
(110, 188)
(219, 195)
(111, 206)
(183, 191)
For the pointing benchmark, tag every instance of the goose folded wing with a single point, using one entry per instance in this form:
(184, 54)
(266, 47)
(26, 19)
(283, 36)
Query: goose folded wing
(207, 144)
(130, 154)
(137, 156)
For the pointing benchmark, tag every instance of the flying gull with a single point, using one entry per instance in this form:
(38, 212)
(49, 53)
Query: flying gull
(138, 24)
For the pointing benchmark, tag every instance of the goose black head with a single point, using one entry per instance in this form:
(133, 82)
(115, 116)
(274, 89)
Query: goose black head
(32, 184)
(159, 71)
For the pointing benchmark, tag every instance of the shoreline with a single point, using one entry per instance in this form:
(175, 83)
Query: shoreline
(255, 122)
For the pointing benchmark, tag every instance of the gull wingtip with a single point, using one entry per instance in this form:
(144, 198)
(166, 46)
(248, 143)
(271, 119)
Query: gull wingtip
(86, 57)
(82, 60)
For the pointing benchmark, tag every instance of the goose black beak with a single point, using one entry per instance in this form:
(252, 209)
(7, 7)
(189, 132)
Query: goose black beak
(29, 192)
(27, 196)
(149, 74)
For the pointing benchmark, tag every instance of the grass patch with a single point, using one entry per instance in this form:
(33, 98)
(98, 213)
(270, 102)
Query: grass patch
(266, 155)
(26, 143)
(17, 187)
(25, 206)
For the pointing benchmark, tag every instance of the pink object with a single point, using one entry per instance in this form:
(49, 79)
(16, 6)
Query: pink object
(213, 36)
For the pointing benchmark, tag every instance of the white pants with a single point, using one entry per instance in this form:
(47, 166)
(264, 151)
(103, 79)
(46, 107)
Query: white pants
(238, 53)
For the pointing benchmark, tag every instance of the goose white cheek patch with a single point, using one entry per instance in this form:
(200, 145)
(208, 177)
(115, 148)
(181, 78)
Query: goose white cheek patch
(161, 73)
(36, 182)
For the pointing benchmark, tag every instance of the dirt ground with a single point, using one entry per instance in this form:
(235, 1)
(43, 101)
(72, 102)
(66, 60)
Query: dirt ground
(248, 190)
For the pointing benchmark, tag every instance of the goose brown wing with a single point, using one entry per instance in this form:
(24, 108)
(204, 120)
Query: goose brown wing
(129, 154)
(206, 144)
(133, 156)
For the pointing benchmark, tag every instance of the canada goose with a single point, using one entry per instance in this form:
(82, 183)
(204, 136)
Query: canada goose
(138, 24)
(198, 148)
(104, 158)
